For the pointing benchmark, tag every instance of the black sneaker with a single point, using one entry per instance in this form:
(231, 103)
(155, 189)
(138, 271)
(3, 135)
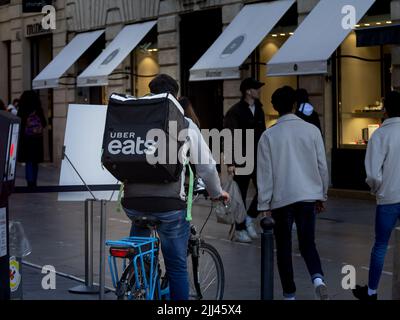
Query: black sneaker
(361, 293)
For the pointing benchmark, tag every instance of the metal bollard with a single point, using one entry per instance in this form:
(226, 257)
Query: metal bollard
(103, 217)
(396, 267)
(267, 259)
(88, 287)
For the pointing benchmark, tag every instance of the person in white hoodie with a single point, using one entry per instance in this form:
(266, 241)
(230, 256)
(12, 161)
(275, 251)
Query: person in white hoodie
(382, 166)
(292, 185)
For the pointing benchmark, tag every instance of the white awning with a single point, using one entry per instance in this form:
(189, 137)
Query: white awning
(49, 76)
(223, 59)
(317, 38)
(129, 37)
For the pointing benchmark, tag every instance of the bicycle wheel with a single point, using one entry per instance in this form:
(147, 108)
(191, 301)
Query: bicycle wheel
(206, 274)
(126, 287)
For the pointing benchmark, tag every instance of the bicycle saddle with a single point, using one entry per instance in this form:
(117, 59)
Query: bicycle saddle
(146, 222)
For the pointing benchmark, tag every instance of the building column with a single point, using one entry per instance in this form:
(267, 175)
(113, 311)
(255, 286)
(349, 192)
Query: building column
(18, 44)
(231, 88)
(119, 85)
(4, 73)
(64, 94)
(168, 45)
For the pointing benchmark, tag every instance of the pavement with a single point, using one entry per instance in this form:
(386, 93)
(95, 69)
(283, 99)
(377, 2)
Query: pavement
(56, 233)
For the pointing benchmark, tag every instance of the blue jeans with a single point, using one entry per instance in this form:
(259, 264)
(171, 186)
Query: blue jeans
(174, 232)
(386, 218)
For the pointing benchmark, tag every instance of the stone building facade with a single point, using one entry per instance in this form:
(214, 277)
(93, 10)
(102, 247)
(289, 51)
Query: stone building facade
(76, 16)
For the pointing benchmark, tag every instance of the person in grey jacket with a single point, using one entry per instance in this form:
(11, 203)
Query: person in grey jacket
(167, 201)
(293, 182)
(382, 165)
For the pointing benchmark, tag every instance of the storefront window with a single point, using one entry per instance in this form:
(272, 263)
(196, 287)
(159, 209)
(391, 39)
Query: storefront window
(361, 89)
(145, 69)
(144, 61)
(268, 48)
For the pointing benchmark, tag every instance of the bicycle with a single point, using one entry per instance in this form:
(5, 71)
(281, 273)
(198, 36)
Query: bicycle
(142, 277)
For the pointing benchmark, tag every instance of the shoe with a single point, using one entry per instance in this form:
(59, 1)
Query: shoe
(251, 230)
(361, 293)
(241, 236)
(321, 292)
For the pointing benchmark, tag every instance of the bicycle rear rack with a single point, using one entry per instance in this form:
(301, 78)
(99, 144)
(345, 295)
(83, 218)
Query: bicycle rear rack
(144, 248)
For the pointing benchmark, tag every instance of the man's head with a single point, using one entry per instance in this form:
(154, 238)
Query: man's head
(283, 100)
(250, 88)
(163, 83)
(392, 104)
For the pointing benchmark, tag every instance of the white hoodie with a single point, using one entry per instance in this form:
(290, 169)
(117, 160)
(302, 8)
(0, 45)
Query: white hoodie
(291, 164)
(382, 162)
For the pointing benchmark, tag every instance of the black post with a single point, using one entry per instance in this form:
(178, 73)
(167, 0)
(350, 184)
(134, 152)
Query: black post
(9, 136)
(267, 259)
(4, 253)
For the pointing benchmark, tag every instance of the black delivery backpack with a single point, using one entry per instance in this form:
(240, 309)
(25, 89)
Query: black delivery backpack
(125, 148)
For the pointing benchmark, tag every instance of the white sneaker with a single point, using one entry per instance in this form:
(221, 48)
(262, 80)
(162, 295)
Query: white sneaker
(241, 236)
(251, 230)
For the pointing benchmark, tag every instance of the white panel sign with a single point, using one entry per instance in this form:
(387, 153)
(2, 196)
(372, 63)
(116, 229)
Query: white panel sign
(3, 232)
(83, 146)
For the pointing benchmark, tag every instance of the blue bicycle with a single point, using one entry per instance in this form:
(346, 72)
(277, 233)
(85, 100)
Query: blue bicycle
(142, 277)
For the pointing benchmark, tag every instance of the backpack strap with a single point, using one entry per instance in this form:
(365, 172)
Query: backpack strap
(120, 193)
(190, 193)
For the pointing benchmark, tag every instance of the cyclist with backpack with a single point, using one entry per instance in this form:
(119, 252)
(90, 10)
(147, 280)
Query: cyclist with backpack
(166, 201)
(33, 123)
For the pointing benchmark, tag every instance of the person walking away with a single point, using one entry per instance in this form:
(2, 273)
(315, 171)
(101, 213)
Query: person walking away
(293, 179)
(247, 114)
(305, 110)
(382, 166)
(33, 123)
(166, 201)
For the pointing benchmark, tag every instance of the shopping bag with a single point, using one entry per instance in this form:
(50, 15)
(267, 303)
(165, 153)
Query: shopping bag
(235, 211)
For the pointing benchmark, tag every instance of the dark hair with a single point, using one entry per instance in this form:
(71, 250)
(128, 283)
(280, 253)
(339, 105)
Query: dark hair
(15, 101)
(164, 83)
(189, 111)
(284, 99)
(301, 97)
(392, 104)
(28, 103)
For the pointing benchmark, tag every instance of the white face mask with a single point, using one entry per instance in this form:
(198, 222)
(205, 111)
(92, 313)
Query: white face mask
(306, 109)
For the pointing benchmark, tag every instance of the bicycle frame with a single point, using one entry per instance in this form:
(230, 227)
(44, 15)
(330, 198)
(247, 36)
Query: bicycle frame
(150, 278)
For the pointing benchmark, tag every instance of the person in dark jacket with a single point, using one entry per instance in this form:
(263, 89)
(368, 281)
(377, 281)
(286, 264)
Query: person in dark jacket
(31, 141)
(247, 114)
(305, 110)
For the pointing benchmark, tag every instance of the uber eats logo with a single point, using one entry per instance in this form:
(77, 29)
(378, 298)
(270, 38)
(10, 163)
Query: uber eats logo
(128, 143)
